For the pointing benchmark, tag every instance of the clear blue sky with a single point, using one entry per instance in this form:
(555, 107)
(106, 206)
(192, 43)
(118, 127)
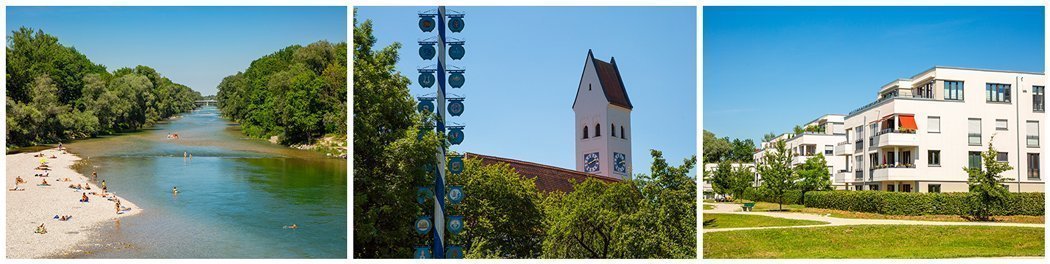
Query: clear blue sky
(767, 69)
(524, 64)
(194, 46)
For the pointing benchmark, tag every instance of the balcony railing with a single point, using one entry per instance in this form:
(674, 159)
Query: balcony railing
(859, 175)
(897, 131)
(857, 146)
(898, 165)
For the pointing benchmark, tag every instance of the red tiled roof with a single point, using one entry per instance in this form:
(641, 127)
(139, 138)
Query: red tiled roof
(548, 178)
(612, 83)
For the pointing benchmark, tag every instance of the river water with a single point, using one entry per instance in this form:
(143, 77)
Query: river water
(236, 194)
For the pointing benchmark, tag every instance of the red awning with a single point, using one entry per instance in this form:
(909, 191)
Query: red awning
(908, 122)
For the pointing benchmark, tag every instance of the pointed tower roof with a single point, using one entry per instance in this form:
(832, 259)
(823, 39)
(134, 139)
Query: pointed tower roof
(612, 84)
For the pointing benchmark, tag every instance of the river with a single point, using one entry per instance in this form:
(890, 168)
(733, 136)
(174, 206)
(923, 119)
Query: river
(236, 194)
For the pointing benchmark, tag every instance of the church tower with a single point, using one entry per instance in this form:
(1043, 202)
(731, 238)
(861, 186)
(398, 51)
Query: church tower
(603, 120)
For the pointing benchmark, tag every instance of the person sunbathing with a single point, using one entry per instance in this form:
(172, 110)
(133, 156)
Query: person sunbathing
(44, 183)
(19, 180)
(41, 230)
(83, 198)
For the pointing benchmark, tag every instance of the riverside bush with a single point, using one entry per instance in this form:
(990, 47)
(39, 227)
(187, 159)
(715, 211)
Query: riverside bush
(898, 203)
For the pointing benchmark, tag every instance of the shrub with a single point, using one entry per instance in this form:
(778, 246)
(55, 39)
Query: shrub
(898, 203)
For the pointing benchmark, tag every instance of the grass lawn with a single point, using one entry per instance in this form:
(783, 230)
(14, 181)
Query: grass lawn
(876, 241)
(738, 220)
(764, 206)
(709, 207)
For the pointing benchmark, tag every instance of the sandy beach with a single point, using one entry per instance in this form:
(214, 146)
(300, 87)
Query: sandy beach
(34, 204)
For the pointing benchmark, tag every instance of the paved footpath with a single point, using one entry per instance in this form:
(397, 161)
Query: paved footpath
(728, 208)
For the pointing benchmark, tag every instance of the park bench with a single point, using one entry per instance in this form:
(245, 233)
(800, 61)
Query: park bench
(748, 206)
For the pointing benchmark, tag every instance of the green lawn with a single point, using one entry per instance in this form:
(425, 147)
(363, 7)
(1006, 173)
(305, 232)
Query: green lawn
(739, 220)
(709, 207)
(876, 241)
(767, 207)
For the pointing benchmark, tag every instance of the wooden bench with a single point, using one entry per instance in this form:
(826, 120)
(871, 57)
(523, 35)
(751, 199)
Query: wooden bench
(748, 207)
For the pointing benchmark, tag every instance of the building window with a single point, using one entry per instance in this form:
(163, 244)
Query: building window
(891, 188)
(974, 135)
(584, 132)
(934, 188)
(974, 159)
(924, 91)
(597, 130)
(612, 129)
(953, 90)
(933, 124)
(1033, 133)
(1038, 99)
(933, 157)
(622, 134)
(1033, 166)
(905, 187)
(873, 187)
(890, 94)
(1002, 157)
(997, 92)
(1000, 124)
(829, 150)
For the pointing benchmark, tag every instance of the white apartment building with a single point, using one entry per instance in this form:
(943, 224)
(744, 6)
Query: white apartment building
(708, 190)
(830, 132)
(920, 132)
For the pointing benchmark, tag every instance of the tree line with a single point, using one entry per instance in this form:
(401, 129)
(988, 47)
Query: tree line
(777, 175)
(651, 216)
(55, 93)
(297, 94)
(723, 149)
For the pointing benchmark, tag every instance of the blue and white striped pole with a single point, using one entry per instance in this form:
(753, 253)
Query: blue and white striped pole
(439, 178)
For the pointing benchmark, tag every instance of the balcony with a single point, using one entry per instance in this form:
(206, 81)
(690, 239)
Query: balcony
(897, 138)
(843, 176)
(898, 172)
(800, 159)
(844, 149)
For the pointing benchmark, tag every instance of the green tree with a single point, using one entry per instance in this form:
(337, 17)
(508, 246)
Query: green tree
(986, 185)
(389, 160)
(740, 179)
(777, 174)
(743, 150)
(721, 178)
(503, 212)
(653, 217)
(715, 149)
(814, 175)
(768, 137)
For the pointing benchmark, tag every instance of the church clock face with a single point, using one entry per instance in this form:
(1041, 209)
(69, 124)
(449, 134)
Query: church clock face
(590, 162)
(619, 162)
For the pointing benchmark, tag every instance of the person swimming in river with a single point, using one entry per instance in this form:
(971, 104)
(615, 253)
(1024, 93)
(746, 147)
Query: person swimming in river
(175, 190)
(293, 226)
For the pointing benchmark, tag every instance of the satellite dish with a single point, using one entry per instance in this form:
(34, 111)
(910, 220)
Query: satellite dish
(456, 80)
(456, 51)
(427, 51)
(426, 79)
(455, 24)
(426, 23)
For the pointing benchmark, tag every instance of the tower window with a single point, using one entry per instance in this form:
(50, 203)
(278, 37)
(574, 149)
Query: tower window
(597, 130)
(622, 135)
(612, 129)
(585, 132)
(588, 87)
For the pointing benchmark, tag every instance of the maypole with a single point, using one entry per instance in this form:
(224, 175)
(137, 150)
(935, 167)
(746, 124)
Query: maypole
(454, 136)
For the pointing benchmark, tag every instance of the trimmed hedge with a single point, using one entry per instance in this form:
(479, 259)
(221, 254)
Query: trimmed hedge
(764, 195)
(898, 203)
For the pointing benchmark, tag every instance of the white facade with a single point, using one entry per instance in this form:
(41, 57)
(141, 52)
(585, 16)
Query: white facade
(603, 121)
(808, 144)
(920, 132)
